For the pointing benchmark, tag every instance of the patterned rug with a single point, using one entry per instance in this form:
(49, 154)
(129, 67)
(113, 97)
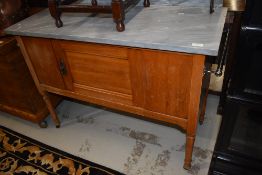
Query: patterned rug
(24, 156)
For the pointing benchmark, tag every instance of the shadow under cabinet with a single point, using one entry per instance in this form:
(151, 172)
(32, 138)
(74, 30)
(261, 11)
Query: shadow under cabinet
(18, 93)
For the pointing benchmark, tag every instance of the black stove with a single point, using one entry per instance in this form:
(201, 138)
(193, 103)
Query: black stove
(239, 145)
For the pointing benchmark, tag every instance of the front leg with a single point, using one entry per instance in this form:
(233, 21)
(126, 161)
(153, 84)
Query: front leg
(189, 150)
(55, 12)
(193, 110)
(146, 3)
(50, 108)
(118, 14)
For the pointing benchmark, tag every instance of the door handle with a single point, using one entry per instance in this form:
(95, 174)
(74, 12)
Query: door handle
(62, 67)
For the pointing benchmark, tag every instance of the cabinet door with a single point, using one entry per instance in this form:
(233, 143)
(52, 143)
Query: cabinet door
(161, 81)
(44, 61)
(96, 70)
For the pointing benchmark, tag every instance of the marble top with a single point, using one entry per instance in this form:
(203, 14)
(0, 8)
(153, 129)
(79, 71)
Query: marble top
(192, 3)
(164, 27)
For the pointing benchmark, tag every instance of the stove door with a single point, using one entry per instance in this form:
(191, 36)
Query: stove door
(246, 137)
(247, 76)
(239, 142)
(240, 134)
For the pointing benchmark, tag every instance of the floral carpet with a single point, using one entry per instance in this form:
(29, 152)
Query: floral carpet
(22, 155)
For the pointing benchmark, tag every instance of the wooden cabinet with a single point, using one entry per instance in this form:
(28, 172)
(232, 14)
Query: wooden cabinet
(160, 85)
(18, 94)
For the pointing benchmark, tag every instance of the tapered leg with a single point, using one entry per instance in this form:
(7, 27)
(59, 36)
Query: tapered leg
(94, 2)
(55, 12)
(202, 116)
(118, 14)
(203, 109)
(189, 150)
(146, 3)
(43, 124)
(51, 109)
(195, 93)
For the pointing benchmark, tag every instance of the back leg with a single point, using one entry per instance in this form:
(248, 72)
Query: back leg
(94, 2)
(118, 14)
(55, 12)
(146, 3)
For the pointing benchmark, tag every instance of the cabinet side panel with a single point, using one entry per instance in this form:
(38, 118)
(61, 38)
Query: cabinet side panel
(161, 81)
(17, 89)
(44, 61)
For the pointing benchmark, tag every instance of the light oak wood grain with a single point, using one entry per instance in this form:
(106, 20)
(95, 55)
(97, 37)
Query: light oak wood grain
(159, 85)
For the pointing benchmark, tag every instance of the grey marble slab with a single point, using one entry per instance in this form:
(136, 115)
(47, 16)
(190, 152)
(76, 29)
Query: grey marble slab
(174, 28)
(194, 3)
